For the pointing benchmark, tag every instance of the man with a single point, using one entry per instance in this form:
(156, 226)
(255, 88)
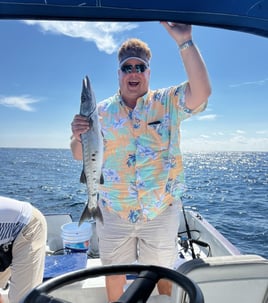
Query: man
(23, 230)
(142, 163)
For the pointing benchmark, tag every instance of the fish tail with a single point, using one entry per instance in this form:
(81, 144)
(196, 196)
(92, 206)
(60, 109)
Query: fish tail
(89, 213)
(97, 214)
(85, 215)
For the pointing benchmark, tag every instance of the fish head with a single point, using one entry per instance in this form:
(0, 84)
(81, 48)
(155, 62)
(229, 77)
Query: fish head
(88, 101)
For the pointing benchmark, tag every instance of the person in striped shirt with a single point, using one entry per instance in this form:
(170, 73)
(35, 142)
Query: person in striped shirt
(23, 231)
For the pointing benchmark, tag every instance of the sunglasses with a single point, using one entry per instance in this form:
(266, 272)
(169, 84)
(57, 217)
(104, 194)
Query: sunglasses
(128, 69)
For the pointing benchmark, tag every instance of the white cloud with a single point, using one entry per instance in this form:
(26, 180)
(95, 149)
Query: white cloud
(218, 134)
(237, 143)
(207, 117)
(20, 102)
(103, 34)
(204, 136)
(262, 132)
(239, 131)
(239, 139)
(259, 82)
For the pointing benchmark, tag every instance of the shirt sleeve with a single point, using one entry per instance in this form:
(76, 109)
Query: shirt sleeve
(185, 111)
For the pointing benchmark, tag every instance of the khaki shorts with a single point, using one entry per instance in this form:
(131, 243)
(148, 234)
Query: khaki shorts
(27, 268)
(153, 242)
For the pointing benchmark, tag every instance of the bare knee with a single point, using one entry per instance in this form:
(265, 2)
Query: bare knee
(1, 299)
(115, 287)
(164, 287)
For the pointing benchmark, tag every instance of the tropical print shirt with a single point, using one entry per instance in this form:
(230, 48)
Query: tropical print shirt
(142, 162)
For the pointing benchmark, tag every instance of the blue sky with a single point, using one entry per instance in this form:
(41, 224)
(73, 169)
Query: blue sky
(42, 65)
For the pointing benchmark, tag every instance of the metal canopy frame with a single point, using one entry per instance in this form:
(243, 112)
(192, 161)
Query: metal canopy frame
(248, 16)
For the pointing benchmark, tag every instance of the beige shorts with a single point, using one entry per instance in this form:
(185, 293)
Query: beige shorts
(153, 242)
(27, 268)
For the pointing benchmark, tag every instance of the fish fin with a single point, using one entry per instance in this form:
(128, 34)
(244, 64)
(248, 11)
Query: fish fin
(89, 213)
(83, 178)
(101, 179)
(85, 215)
(96, 211)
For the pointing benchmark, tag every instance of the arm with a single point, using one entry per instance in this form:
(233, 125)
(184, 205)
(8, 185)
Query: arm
(199, 87)
(79, 126)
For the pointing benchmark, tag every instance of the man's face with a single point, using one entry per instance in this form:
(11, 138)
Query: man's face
(134, 79)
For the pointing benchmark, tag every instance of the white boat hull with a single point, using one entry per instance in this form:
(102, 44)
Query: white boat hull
(222, 266)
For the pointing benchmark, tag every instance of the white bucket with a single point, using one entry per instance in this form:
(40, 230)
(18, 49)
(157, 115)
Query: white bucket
(76, 238)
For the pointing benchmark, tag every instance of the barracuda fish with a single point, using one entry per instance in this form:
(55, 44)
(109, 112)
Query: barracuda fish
(92, 147)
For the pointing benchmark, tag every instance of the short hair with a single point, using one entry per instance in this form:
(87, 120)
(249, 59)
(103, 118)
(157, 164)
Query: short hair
(134, 48)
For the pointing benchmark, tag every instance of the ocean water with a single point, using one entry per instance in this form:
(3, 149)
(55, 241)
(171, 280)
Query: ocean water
(229, 189)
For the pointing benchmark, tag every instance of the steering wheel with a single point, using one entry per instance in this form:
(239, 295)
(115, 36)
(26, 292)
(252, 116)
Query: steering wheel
(138, 291)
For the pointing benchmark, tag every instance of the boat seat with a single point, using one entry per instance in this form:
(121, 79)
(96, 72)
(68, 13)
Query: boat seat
(54, 223)
(232, 279)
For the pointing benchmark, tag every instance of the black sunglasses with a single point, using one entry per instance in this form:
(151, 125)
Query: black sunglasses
(128, 69)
